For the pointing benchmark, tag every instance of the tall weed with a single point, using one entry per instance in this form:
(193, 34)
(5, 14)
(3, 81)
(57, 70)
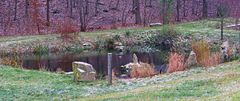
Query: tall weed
(176, 63)
(204, 56)
(142, 70)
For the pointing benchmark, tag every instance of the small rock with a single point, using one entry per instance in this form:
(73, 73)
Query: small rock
(119, 46)
(155, 24)
(225, 50)
(135, 59)
(89, 45)
(192, 60)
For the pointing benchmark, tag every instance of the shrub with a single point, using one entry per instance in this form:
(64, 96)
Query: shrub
(74, 49)
(164, 38)
(176, 63)
(117, 37)
(109, 44)
(142, 70)
(127, 33)
(100, 44)
(215, 48)
(40, 50)
(65, 28)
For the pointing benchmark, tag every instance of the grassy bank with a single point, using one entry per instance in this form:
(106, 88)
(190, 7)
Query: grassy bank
(27, 44)
(216, 83)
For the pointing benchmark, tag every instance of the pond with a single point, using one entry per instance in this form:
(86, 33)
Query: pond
(63, 62)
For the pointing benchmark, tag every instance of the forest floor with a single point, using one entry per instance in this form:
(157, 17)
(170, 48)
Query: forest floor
(220, 83)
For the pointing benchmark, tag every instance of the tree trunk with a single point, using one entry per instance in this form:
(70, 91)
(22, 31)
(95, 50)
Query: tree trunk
(137, 12)
(178, 10)
(83, 13)
(71, 8)
(184, 8)
(15, 10)
(164, 16)
(222, 19)
(205, 9)
(26, 7)
(96, 7)
(145, 13)
(48, 11)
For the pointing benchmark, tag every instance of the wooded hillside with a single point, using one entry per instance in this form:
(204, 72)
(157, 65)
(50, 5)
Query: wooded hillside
(25, 17)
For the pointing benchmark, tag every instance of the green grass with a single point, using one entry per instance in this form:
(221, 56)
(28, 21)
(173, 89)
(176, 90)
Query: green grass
(17, 84)
(217, 83)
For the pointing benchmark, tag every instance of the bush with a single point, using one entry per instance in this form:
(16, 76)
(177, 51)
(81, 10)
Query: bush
(109, 44)
(40, 50)
(65, 28)
(164, 38)
(142, 70)
(105, 44)
(117, 37)
(75, 49)
(127, 33)
(176, 63)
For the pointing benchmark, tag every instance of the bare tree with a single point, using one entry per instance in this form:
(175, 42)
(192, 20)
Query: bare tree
(167, 10)
(26, 8)
(178, 10)
(205, 9)
(125, 13)
(137, 12)
(48, 11)
(222, 13)
(15, 9)
(84, 16)
(96, 7)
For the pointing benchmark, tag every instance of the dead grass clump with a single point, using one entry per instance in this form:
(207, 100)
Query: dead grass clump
(202, 50)
(204, 56)
(212, 60)
(10, 62)
(176, 63)
(141, 70)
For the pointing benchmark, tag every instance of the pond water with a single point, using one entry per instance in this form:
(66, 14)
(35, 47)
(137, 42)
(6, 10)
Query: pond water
(63, 62)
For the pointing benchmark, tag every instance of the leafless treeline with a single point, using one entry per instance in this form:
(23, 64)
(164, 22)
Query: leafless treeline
(43, 16)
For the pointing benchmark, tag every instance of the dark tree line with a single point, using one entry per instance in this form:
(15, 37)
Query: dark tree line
(18, 15)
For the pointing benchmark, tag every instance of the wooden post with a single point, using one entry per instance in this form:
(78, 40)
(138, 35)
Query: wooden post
(110, 68)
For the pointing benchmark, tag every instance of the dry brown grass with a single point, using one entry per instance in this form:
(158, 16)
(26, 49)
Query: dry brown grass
(176, 63)
(202, 50)
(204, 56)
(212, 60)
(142, 70)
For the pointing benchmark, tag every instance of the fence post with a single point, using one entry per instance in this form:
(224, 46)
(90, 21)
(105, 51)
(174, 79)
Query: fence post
(110, 68)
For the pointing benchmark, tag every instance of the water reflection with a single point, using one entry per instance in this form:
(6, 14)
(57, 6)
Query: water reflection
(54, 62)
